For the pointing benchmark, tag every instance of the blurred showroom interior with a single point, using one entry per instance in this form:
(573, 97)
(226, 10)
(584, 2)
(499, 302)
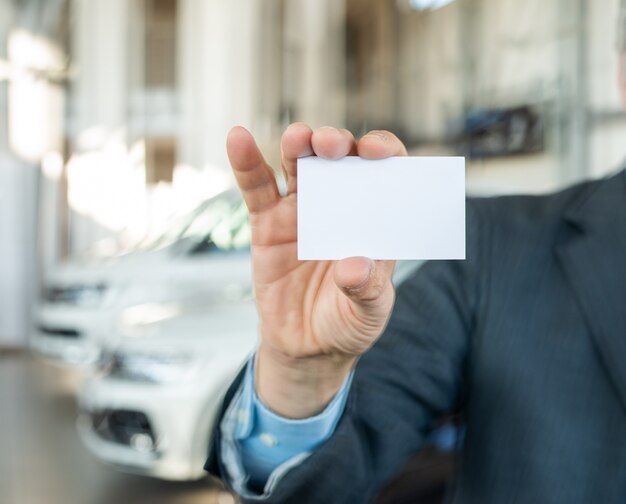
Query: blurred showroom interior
(116, 215)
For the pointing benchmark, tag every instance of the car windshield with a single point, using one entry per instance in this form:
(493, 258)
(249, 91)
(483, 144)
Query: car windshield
(225, 228)
(175, 230)
(221, 222)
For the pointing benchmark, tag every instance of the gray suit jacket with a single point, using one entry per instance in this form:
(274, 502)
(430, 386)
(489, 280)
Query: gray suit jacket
(527, 338)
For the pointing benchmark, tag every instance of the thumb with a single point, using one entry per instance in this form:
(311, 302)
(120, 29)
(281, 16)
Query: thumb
(366, 282)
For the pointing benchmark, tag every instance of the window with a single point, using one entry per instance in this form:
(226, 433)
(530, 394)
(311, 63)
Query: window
(160, 43)
(160, 160)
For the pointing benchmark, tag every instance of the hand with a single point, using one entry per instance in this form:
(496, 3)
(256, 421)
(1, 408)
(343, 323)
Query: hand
(316, 317)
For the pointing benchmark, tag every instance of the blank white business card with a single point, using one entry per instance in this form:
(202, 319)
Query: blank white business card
(396, 208)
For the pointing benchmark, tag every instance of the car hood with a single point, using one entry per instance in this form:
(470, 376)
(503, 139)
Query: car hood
(111, 270)
(190, 328)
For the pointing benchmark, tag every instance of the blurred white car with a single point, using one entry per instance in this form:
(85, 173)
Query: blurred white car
(151, 409)
(203, 257)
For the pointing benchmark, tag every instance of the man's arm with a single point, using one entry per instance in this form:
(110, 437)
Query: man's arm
(317, 317)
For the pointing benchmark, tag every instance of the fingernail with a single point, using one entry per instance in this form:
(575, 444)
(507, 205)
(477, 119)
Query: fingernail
(377, 136)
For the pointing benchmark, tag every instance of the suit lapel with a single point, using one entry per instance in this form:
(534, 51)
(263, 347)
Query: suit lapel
(594, 260)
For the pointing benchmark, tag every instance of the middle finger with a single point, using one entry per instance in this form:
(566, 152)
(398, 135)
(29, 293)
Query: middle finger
(333, 143)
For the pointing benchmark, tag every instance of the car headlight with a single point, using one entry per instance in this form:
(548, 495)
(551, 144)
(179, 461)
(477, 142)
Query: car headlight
(147, 367)
(82, 295)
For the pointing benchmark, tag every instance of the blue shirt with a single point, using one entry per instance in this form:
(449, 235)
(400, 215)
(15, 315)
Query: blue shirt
(259, 446)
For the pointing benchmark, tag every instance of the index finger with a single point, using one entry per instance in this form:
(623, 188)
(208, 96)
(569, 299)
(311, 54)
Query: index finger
(379, 144)
(254, 176)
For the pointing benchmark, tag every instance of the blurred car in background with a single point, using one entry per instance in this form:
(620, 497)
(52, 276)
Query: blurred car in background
(149, 410)
(202, 257)
(151, 406)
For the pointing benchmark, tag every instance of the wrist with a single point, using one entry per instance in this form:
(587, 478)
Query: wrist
(299, 387)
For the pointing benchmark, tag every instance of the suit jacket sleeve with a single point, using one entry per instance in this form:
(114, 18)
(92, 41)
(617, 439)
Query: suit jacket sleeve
(414, 373)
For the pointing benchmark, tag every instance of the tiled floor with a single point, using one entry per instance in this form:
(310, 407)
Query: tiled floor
(42, 460)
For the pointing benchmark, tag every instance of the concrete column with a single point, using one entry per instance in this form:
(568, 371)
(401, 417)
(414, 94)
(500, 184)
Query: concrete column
(218, 74)
(100, 50)
(573, 94)
(6, 19)
(17, 224)
(315, 34)
(270, 120)
(18, 202)
(99, 93)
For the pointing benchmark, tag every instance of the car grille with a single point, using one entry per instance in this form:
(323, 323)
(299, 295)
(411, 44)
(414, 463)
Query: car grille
(124, 427)
(60, 332)
(74, 294)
